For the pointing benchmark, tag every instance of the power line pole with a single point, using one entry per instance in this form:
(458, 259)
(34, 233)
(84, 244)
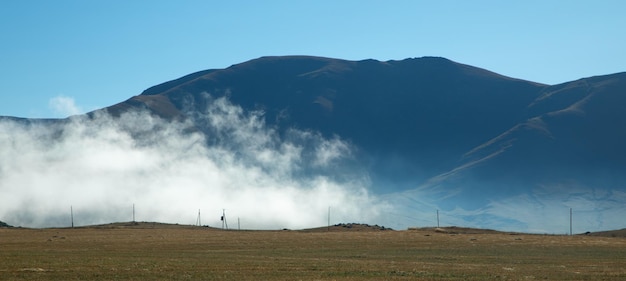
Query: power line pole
(570, 221)
(224, 223)
(328, 227)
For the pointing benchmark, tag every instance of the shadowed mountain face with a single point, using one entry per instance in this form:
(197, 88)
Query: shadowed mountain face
(569, 152)
(429, 134)
(575, 131)
(412, 119)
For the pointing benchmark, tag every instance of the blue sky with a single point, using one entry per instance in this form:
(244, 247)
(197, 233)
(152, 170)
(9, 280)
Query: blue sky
(66, 57)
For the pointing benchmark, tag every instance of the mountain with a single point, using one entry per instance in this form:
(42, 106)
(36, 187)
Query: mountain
(414, 118)
(433, 134)
(569, 148)
(575, 130)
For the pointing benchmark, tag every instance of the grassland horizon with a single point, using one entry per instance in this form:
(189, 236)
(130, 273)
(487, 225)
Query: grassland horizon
(153, 251)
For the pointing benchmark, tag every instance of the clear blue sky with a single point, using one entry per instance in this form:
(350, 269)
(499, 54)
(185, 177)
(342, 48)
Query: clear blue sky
(62, 57)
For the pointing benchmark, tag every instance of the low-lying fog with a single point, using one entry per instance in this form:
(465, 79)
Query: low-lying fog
(170, 170)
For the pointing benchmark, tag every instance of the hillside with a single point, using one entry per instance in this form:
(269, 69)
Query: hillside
(387, 142)
(570, 140)
(609, 233)
(413, 118)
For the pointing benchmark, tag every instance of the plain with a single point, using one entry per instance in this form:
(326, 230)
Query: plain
(151, 251)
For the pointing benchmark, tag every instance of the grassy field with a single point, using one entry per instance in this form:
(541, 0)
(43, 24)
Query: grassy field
(160, 252)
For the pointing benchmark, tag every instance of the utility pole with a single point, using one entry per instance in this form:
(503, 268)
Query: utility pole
(72, 215)
(570, 221)
(328, 228)
(224, 223)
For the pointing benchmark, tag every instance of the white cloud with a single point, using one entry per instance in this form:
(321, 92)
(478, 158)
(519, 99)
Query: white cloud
(100, 169)
(63, 106)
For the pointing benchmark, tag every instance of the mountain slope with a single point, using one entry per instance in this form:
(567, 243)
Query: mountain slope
(419, 134)
(414, 117)
(575, 132)
(568, 154)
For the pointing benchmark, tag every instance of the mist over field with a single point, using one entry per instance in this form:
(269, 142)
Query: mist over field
(100, 167)
(542, 210)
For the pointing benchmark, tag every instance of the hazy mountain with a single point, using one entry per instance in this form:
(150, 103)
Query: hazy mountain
(575, 131)
(413, 119)
(431, 133)
(570, 144)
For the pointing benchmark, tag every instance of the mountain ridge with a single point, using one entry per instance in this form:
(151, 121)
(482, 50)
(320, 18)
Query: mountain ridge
(323, 103)
(426, 125)
(321, 93)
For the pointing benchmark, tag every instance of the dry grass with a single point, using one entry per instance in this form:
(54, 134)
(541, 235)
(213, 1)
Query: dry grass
(153, 252)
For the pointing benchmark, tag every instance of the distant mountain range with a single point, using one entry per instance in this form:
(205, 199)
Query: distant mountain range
(414, 118)
(431, 132)
(426, 117)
